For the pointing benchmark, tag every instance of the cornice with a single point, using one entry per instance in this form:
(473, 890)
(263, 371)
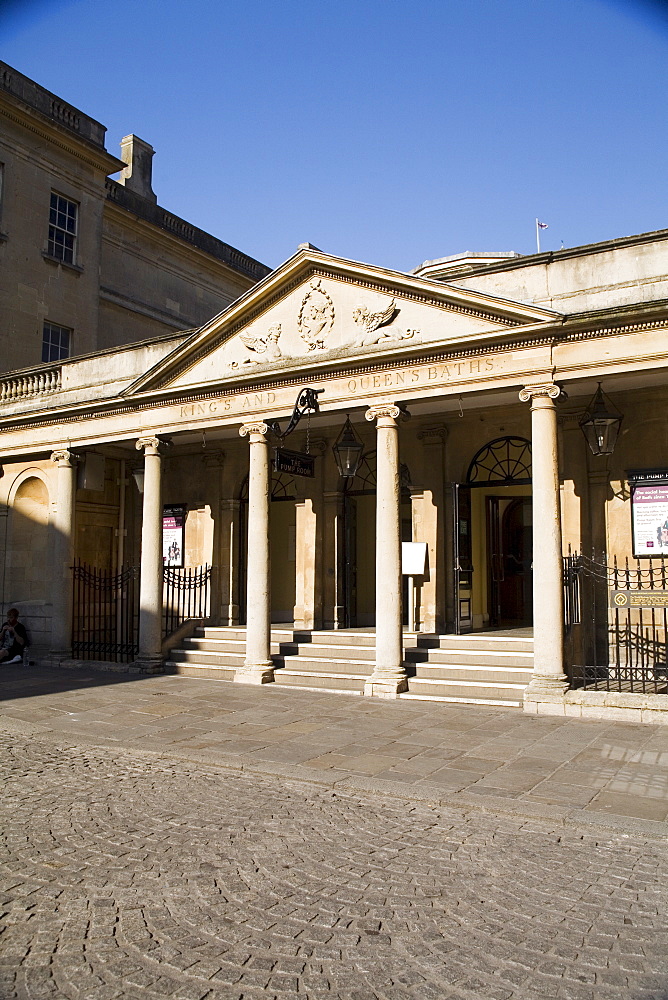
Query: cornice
(77, 146)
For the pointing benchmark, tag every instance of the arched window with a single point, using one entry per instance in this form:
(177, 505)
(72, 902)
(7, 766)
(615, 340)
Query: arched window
(282, 487)
(505, 461)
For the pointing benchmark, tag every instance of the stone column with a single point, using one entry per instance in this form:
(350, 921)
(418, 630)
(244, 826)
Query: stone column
(389, 676)
(63, 555)
(149, 659)
(258, 667)
(548, 596)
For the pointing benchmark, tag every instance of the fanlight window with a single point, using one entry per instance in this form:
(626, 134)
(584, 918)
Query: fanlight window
(282, 487)
(504, 461)
(364, 480)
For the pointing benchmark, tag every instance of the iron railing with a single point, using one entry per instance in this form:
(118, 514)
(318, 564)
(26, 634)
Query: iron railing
(105, 609)
(105, 613)
(624, 618)
(186, 594)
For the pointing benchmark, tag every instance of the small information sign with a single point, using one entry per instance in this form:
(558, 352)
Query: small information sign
(173, 525)
(413, 558)
(294, 463)
(639, 598)
(649, 511)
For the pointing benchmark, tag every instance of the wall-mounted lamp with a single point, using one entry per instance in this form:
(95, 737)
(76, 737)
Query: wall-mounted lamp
(348, 450)
(138, 476)
(600, 424)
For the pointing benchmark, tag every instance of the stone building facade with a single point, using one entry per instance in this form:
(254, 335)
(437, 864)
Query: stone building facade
(466, 383)
(88, 262)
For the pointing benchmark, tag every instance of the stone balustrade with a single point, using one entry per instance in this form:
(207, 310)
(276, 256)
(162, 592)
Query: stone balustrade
(32, 384)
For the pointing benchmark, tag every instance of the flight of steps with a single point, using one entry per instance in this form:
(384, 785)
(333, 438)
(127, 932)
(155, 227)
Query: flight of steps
(328, 660)
(482, 668)
(489, 668)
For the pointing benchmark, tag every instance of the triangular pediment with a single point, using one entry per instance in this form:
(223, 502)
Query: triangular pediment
(321, 310)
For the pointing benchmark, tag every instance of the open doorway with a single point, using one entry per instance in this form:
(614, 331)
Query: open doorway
(509, 560)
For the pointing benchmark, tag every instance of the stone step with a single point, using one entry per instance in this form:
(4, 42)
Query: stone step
(207, 657)
(464, 690)
(320, 681)
(475, 641)
(467, 700)
(312, 664)
(473, 658)
(489, 675)
(209, 672)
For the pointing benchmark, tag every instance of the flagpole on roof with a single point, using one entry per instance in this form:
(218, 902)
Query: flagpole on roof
(539, 225)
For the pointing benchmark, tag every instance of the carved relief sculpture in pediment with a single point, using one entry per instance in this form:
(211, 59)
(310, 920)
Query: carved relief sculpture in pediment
(370, 326)
(265, 349)
(316, 316)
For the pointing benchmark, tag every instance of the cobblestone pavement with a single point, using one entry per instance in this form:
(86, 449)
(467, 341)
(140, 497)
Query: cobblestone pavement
(168, 837)
(133, 875)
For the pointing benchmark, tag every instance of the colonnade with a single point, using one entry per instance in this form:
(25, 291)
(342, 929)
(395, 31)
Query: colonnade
(389, 677)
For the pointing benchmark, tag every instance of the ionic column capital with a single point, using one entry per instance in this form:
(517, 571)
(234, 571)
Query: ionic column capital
(379, 410)
(546, 391)
(64, 458)
(256, 427)
(149, 445)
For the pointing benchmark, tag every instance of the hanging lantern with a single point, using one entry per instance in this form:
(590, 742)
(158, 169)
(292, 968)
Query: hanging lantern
(600, 424)
(348, 450)
(138, 476)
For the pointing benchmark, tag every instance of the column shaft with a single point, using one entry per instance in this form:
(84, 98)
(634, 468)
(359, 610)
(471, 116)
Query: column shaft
(258, 666)
(389, 676)
(548, 603)
(150, 572)
(63, 554)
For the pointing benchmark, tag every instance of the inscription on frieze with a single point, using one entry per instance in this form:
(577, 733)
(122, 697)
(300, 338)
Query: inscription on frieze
(420, 376)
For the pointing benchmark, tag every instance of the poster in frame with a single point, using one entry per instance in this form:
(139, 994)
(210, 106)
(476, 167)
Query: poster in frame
(649, 512)
(173, 532)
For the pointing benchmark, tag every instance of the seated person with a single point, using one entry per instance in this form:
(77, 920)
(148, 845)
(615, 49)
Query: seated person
(13, 638)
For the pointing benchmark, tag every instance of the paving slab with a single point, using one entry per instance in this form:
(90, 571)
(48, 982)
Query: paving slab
(598, 769)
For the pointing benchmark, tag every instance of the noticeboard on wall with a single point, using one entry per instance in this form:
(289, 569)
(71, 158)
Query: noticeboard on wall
(173, 534)
(649, 515)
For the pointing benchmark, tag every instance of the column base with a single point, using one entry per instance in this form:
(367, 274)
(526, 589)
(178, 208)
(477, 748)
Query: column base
(148, 665)
(255, 673)
(542, 685)
(385, 687)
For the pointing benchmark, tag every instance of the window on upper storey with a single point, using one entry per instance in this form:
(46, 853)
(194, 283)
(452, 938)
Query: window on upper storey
(56, 342)
(63, 217)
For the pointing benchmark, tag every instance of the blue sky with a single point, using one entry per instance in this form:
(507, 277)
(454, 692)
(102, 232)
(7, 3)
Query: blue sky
(385, 131)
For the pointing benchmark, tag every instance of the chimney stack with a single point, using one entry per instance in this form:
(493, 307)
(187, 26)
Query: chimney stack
(136, 176)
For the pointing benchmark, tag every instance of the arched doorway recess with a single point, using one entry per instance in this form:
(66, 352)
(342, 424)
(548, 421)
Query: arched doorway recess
(496, 545)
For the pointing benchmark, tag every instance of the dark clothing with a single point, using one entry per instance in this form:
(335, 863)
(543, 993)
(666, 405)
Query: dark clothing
(16, 648)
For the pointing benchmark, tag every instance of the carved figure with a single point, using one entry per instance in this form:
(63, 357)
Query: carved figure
(371, 322)
(267, 347)
(316, 317)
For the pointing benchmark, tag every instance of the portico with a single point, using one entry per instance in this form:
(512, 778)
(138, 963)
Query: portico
(458, 400)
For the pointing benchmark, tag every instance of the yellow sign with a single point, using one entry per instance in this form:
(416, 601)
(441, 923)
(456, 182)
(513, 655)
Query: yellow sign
(639, 598)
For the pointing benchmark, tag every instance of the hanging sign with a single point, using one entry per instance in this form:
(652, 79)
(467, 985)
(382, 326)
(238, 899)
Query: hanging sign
(649, 516)
(295, 463)
(173, 528)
